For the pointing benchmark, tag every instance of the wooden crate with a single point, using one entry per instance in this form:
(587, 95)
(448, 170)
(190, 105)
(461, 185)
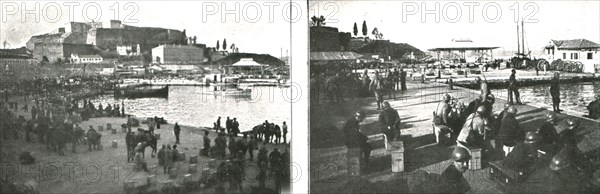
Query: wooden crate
(193, 169)
(353, 161)
(398, 161)
(503, 175)
(475, 162)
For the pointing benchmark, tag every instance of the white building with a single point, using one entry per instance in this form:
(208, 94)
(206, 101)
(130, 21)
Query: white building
(177, 54)
(128, 50)
(581, 50)
(86, 58)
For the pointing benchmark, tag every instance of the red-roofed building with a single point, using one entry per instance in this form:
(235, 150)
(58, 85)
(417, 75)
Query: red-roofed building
(581, 50)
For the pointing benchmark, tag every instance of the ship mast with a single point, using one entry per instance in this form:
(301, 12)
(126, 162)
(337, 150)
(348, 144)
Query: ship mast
(518, 40)
(523, 36)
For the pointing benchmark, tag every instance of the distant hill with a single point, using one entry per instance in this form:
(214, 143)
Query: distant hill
(259, 58)
(395, 50)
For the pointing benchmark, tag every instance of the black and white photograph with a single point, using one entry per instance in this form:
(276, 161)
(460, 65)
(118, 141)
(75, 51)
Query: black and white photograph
(454, 96)
(203, 88)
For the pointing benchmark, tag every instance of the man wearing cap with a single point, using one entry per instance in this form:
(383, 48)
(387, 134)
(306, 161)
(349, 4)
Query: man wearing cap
(513, 88)
(390, 121)
(510, 133)
(566, 138)
(594, 108)
(454, 173)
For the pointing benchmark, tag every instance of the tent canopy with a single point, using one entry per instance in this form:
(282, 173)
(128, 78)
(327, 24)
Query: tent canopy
(247, 62)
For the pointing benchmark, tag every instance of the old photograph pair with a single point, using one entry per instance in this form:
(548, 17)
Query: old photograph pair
(299, 96)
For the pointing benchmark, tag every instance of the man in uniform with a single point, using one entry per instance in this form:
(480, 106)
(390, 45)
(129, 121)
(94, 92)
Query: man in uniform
(377, 86)
(402, 79)
(513, 88)
(206, 142)
(390, 121)
(524, 155)
(176, 131)
(440, 115)
(594, 108)
(473, 131)
(354, 138)
(454, 173)
(510, 133)
(548, 134)
(555, 92)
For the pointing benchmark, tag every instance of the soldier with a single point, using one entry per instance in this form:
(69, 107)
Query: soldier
(251, 146)
(262, 174)
(454, 173)
(548, 134)
(523, 155)
(513, 88)
(566, 138)
(440, 115)
(572, 179)
(555, 92)
(402, 79)
(235, 127)
(473, 131)
(390, 121)
(206, 142)
(594, 108)
(176, 131)
(168, 158)
(263, 156)
(377, 86)
(228, 125)
(510, 133)
(232, 146)
(274, 160)
(284, 129)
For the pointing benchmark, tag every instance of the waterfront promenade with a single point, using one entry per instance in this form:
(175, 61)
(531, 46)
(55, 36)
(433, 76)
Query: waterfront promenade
(415, 106)
(107, 170)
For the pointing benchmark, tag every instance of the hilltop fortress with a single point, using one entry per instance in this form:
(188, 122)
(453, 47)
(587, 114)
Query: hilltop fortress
(93, 39)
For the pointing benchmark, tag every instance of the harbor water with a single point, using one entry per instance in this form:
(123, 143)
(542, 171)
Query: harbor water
(197, 106)
(574, 96)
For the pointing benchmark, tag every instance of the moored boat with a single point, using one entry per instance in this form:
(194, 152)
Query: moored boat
(143, 92)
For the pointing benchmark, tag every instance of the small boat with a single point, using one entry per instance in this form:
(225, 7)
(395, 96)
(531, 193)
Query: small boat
(229, 91)
(143, 92)
(284, 84)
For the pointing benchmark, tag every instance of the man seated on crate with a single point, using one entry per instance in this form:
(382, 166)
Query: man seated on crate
(454, 173)
(524, 155)
(355, 138)
(440, 117)
(390, 121)
(474, 130)
(548, 134)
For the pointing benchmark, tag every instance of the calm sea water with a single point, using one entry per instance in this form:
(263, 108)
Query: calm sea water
(574, 96)
(197, 106)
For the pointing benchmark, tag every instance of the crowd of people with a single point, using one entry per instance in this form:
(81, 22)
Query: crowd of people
(500, 137)
(339, 85)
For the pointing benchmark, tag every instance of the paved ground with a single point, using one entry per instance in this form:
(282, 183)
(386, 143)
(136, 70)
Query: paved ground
(328, 162)
(106, 171)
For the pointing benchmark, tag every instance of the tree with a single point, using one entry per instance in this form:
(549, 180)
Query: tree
(313, 20)
(378, 35)
(194, 39)
(184, 38)
(224, 44)
(364, 28)
(355, 29)
(232, 47)
(218, 46)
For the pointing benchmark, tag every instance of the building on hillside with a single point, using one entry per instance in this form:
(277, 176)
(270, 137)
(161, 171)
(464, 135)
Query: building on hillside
(177, 54)
(129, 50)
(78, 59)
(106, 39)
(15, 59)
(581, 50)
